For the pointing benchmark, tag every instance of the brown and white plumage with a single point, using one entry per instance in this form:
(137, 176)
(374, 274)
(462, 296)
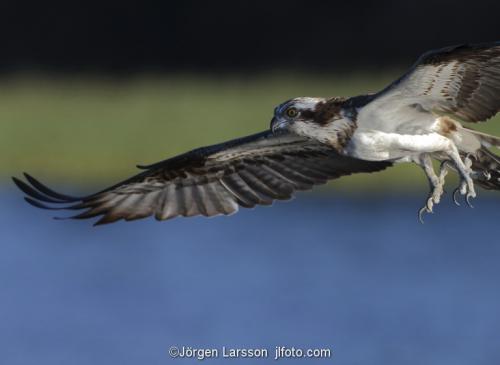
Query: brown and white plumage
(254, 170)
(417, 118)
(462, 81)
(420, 115)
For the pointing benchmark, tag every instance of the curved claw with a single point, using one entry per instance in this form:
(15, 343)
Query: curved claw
(455, 200)
(467, 199)
(421, 214)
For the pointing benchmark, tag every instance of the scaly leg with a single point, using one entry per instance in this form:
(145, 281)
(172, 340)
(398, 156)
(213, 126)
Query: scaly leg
(466, 187)
(436, 185)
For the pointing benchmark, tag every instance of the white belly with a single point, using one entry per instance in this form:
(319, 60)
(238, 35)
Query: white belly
(375, 145)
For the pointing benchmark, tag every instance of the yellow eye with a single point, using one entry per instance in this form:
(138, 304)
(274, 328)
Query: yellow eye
(291, 112)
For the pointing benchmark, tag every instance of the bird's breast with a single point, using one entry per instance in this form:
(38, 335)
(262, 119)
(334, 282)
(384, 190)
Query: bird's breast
(335, 134)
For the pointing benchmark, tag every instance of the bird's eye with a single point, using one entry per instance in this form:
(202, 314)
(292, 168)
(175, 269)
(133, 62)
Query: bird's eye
(291, 112)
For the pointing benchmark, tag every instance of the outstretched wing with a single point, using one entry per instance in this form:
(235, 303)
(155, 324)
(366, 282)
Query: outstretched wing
(210, 180)
(461, 81)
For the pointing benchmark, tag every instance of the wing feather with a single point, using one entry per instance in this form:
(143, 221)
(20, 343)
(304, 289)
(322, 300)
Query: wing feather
(244, 190)
(223, 202)
(300, 181)
(462, 81)
(208, 181)
(262, 190)
(169, 207)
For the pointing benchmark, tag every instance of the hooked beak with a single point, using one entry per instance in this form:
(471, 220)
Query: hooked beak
(277, 124)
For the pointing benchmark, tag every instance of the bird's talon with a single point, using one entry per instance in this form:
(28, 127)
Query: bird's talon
(421, 214)
(468, 198)
(455, 200)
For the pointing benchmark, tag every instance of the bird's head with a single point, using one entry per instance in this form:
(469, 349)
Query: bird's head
(305, 115)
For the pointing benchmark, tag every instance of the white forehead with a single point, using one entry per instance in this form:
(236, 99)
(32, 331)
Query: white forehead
(303, 102)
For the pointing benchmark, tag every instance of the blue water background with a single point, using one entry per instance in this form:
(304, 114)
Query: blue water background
(355, 274)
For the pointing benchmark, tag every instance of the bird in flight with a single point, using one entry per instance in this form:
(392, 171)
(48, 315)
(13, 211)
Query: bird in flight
(420, 117)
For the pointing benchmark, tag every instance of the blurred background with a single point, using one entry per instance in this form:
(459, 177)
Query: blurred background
(89, 90)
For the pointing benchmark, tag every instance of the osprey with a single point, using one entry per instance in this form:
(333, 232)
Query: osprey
(417, 118)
